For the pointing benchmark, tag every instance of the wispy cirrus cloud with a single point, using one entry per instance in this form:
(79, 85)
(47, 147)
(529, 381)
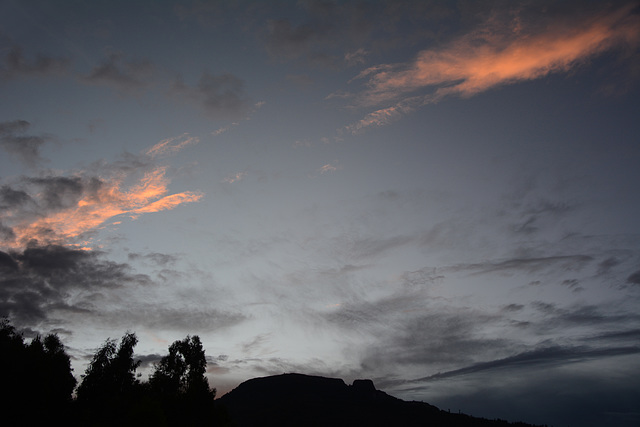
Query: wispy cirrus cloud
(328, 168)
(489, 57)
(540, 356)
(172, 145)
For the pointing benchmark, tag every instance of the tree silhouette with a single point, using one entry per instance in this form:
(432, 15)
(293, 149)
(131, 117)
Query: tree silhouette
(37, 376)
(52, 369)
(182, 371)
(109, 385)
(180, 383)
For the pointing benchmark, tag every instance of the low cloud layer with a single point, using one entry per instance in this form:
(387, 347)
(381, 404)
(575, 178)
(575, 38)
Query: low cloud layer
(53, 281)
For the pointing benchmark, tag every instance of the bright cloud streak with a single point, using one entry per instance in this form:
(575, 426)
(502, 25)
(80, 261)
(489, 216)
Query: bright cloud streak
(170, 202)
(327, 168)
(172, 145)
(488, 58)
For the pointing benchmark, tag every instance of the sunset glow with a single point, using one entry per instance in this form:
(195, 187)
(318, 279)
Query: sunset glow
(439, 196)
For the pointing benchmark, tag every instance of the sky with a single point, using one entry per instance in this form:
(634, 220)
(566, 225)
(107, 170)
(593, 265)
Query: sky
(441, 196)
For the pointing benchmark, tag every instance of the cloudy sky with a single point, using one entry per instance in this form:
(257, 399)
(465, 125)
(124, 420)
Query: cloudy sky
(440, 196)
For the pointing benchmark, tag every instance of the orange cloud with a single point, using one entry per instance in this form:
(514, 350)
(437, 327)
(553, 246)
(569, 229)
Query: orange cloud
(98, 205)
(488, 57)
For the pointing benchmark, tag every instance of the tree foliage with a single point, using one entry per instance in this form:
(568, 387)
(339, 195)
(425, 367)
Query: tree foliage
(112, 371)
(180, 383)
(183, 370)
(37, 374)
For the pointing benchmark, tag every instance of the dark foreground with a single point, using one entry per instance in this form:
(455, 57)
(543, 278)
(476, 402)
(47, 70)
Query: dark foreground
(303, 400)
(40, 384)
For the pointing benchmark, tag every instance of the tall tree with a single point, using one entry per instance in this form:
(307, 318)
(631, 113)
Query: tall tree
(183, 370)
(112, 371)
(110, 383)
(180, 382)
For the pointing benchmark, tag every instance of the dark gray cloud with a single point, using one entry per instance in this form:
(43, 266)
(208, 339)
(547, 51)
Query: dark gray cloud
(512, 307)
(6, 233)
(555, 355)
(61, 192)
(120, 74)
(26, 148)
(146, 360)
(466, 365)
(45, 284)
(154, 257)
(633, 334)
(338, 34)
(289, 39)
(16, 64)
(536, 215)
(255, 344)
(424, 276)
(211, 14)
(634, 278)
(607, 265)
(531, 265)
(11, 198)
(218, 95)
(545, 393)
(415, 329)
(171, 316)
(39, 282)
(372, 247)
(561, 318)
(572, 284)
(442, 335)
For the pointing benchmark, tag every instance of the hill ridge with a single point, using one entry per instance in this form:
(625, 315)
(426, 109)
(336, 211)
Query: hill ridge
(294, 399)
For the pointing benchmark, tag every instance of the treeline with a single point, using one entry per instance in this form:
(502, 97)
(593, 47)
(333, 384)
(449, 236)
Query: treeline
(40, 385)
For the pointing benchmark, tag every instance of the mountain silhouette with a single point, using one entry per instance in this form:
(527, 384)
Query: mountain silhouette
(305, 400)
